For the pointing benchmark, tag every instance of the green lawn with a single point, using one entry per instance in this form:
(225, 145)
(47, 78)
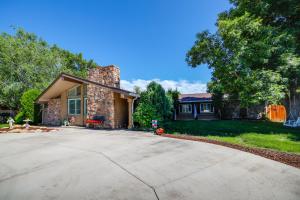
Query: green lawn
(247, 133)
(3, 125)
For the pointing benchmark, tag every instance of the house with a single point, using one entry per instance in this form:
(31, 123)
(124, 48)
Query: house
(195, 106)
(71, 97)
(200, 106)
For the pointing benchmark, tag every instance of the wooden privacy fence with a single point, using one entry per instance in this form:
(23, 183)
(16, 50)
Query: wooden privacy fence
(276, 113)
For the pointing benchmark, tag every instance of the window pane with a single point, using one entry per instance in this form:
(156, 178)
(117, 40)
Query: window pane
(78, 106)
(72, 92)
(85, 90)
(71, 107)
(85, 106)
(78, 91)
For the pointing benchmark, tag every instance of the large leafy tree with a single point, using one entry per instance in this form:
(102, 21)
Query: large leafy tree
(255, 53)
(28, 62)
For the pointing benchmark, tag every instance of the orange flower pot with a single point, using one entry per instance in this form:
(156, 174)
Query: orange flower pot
(159, 131)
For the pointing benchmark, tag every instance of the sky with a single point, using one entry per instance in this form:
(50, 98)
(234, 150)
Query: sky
(146, 39)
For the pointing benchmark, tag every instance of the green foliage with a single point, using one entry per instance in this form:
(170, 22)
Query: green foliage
(137, 90)
(19, 118)
(154, 104)
(255, 52)
(27, 61)
(156, 96)
(173, 96)
(27, 103)
(144, 114)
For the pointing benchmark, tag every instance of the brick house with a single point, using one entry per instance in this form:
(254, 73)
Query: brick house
(100, 94)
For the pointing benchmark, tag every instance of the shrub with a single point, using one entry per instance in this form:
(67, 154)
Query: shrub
(144, 114)
(27, 103)
(19, 118)
(154, 104)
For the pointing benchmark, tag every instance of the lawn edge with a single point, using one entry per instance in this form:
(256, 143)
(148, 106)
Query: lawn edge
(283, 157)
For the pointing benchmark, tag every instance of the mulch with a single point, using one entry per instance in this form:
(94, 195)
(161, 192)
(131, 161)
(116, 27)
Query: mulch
(21, 129)
(286, 158)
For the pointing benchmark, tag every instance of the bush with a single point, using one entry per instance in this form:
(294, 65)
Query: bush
(19, 118)
(154, 104)
(144, 114)
(27, 103)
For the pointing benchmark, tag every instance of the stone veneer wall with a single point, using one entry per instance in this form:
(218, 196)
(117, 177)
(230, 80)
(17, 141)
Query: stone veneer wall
(53, 116)
(109, 75)
(101, 100)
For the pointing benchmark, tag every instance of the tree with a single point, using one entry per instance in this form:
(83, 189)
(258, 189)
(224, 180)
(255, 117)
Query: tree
(144, 114)
(137, 89)
(27, 61)
(255, 52)
(156, 96)
(173, 96)
(153, 104)
(27, 102)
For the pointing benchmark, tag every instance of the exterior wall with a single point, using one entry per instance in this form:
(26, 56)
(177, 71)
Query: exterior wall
(109, 75)
(101, 100)
(53, 112)
(64, 106)
(191, 116)
(130, 112)
(121, 111)
(79, 119)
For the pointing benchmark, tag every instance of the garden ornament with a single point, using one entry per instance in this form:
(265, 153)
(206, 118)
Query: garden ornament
(11, 122)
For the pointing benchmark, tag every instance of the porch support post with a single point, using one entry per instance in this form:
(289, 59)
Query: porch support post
(130, 117)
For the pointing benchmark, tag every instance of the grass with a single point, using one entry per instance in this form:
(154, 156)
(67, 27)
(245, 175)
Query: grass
(261, 134)
(3, 125)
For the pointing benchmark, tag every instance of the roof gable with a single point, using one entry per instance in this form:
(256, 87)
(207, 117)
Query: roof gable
(66, 81)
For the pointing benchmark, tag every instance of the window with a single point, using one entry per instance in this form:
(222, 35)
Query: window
(84, 90)
(186, 108)
(75, 91)
(206, 107)
(74, 106)
(85, 106)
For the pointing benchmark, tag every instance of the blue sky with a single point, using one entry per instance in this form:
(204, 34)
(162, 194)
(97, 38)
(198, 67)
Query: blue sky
(147, 39)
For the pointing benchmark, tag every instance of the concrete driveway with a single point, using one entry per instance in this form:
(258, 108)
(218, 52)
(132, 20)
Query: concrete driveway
(95, 164)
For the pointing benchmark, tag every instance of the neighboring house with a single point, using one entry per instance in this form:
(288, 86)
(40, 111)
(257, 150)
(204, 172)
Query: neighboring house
(5, 113)
(195, 106)
(200, 106)
(80, 99)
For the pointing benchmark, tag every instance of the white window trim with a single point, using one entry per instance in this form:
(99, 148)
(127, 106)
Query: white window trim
(190, 109)
(75, 106)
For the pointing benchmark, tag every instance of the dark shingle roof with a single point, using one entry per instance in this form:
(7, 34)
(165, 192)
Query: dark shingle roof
(196, 97)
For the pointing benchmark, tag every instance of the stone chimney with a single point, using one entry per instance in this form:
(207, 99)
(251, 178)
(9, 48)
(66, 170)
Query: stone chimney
(108, 75)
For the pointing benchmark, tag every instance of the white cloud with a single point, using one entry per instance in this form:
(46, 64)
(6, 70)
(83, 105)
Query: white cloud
(183, 86)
